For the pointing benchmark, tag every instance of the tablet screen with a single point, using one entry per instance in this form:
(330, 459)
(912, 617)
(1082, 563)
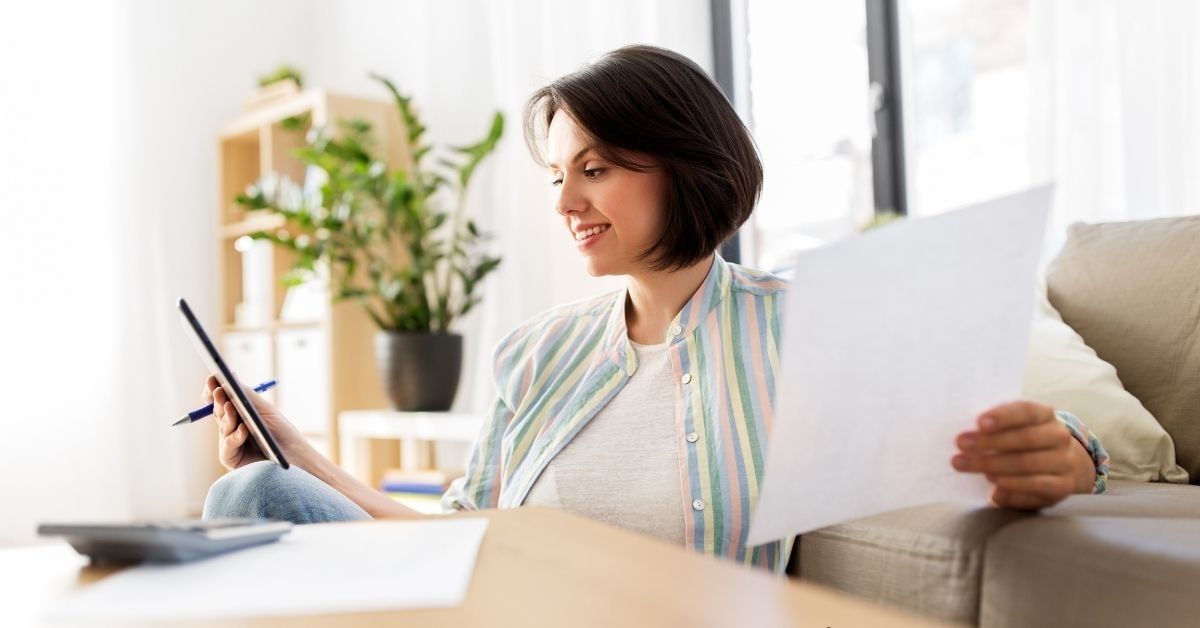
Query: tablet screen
(217, 366)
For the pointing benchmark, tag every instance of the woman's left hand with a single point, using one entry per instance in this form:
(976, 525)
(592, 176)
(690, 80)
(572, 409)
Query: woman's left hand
(1030, 458)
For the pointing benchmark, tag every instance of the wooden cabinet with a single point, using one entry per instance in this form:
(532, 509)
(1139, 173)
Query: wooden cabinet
(302, 360)
(325, 362)
(249, 354)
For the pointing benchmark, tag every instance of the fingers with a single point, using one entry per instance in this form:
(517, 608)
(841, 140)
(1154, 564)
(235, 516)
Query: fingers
(1024, 451)
(236, 439)
(1023, 463)
(224, 412)
(210, 384)
(230, 422)
(1029, 437)
(1013, 415)
(1031, 450)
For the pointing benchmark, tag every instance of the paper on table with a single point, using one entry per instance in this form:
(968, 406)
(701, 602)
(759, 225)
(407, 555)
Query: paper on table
(315, 569)
(893, 343)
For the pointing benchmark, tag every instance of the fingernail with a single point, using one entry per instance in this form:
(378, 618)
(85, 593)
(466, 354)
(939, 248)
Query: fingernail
(967, 442)
(962, 463)
(987, 422)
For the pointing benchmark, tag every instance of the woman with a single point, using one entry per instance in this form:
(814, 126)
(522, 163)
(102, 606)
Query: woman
(648, 408)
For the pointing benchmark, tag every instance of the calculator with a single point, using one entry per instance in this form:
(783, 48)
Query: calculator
(165, 541)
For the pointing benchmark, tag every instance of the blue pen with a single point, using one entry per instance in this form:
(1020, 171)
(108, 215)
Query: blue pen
(196, 415)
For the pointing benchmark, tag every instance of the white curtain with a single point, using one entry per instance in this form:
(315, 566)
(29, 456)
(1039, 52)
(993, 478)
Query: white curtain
(1115, 101)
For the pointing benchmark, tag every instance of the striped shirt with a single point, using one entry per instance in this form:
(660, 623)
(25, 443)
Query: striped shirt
(556, 371)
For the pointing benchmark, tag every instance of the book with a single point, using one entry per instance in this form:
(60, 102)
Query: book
(420, 482)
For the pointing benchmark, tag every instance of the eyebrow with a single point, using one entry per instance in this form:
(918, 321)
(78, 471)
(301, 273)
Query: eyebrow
(583, 151)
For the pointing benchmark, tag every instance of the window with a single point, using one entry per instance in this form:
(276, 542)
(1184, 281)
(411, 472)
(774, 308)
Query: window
(968, 96)
(909, 106)
(809, 110)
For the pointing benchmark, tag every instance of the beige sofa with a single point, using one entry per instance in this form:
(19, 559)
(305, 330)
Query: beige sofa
(1130, 557)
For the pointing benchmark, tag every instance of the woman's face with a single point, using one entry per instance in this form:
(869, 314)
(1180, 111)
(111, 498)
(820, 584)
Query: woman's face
(612, 214)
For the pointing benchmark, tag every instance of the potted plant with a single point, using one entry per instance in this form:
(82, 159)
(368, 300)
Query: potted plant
(281, 83)
(389, 243)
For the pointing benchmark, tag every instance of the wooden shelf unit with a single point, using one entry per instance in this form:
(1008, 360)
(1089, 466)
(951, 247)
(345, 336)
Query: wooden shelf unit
(324, 365)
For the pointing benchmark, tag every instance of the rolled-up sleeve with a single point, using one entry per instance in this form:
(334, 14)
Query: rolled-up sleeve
(1093, 446)
(480, 486)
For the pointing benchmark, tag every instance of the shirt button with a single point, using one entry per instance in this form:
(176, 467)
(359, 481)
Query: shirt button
(692, 437)
(687, 378)
(698, 504)
(675, 329)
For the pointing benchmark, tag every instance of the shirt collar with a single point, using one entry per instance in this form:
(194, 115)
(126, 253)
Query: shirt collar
(707, 296)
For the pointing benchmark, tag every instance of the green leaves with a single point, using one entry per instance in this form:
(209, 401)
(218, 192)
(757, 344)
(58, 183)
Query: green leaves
(296, 123)
(379, 231)
(282, 73)
(476, 152)
(404, 106)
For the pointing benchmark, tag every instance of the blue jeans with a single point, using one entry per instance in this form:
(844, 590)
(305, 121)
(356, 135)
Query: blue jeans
(265, 490)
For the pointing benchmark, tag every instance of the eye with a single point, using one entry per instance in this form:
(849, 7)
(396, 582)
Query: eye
(592, 173)
(556, 182)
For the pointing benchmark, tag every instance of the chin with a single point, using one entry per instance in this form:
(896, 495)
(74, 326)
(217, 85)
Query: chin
(598, 268)
(594, 270)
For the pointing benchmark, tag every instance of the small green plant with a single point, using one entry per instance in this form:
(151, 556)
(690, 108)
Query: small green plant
(382, 231)
(881, 218)
(282, 73)
(285, 73)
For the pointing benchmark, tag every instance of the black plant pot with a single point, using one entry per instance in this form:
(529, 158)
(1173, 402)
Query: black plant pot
(420, 371)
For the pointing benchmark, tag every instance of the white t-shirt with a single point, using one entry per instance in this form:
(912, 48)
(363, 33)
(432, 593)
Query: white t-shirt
(623, 466)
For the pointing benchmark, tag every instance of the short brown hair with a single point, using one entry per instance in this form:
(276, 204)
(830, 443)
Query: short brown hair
(659, 103)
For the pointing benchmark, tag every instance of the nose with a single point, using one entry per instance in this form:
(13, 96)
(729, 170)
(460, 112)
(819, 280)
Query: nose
(570, 200)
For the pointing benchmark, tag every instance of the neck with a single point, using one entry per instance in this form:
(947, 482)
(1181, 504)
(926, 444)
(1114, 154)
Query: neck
(655, 297)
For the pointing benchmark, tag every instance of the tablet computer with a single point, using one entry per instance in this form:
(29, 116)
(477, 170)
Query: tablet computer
(237, 396)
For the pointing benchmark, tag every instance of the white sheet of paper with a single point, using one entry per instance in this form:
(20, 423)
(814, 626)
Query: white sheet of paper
(315, 569)
(893, 343)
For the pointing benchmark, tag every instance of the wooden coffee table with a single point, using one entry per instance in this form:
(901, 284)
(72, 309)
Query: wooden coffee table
(536, 567)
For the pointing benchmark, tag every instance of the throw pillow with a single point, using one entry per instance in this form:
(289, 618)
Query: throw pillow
(1065, 373)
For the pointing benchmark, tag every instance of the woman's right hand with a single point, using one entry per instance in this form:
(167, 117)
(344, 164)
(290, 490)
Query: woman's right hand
(235, 446)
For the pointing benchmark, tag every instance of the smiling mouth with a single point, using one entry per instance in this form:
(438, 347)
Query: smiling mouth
(581, 236)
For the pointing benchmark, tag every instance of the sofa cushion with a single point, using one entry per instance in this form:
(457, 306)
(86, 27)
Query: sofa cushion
(1132, 291)
(926, 559)
(1134, 499)
(1127, 558)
